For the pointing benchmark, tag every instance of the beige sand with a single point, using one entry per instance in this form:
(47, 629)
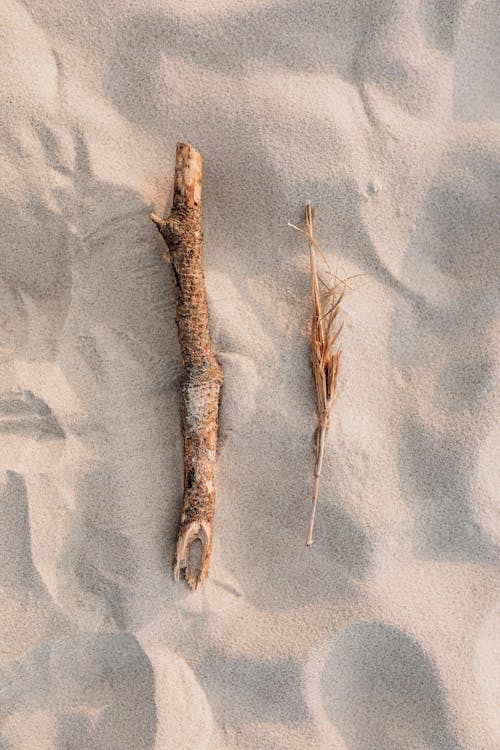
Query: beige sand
(382, 635)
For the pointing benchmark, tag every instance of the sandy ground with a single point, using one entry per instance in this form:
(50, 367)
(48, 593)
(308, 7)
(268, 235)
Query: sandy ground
(383, 635)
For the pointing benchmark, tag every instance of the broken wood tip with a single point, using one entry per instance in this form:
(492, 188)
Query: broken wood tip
(187, 176)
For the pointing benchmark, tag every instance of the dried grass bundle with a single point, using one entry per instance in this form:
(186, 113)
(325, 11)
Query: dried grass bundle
(327, 291)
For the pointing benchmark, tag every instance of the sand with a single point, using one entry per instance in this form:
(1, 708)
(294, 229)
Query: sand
(384, 634)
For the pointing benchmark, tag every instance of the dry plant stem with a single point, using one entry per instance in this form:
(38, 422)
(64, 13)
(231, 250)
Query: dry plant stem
(325, 330)
(201, 374)
(320, 431)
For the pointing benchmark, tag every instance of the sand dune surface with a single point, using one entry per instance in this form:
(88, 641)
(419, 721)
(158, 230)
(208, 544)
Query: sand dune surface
(384, 634)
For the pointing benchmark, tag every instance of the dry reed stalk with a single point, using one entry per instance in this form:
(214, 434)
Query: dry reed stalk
(327, 291)
(201, 373)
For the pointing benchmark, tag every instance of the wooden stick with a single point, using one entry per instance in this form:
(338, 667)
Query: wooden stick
(201, 373)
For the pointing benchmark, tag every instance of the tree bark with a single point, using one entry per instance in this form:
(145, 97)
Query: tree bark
(201, 373)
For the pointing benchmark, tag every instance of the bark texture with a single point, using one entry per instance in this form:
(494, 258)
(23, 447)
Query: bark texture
(201, 373)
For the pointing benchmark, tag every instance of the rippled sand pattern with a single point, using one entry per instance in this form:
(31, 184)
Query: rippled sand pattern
(384, 634)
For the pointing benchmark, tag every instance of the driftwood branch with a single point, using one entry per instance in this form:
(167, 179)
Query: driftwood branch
(201, 375)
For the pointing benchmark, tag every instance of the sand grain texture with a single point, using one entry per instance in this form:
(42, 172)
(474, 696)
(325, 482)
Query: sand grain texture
(384, 634)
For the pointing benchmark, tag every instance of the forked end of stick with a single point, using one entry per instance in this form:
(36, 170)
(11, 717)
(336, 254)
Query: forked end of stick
(193, 553)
